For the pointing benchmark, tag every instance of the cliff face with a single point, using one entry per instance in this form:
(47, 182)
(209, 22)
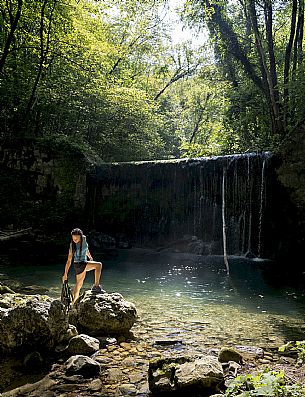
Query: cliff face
(291, 171)
(41, 185)
(160, 203)
(246, 198)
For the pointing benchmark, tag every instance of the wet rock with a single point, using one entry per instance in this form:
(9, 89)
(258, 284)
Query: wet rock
(82, 365)
(30, 321)
(33, 361)
(234, 367)
(82, 344)
(71, 332)
(264, 361)
(5, 290)
(106, 341)
(227, 354)
(127, 389)
(217, 395)
(95, 385)
(104, 314)
(251, 350)
(37, 389)
(114, 375)
(185, 374)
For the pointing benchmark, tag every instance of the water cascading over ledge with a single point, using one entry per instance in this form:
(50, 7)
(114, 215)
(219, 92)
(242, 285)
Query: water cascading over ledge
(160, 203)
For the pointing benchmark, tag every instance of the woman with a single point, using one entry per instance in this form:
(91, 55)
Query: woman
(78, 253)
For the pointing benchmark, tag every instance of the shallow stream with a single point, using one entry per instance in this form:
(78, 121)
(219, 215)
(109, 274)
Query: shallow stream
(190, 298)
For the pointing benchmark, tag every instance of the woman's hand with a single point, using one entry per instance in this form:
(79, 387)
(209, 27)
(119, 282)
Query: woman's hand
(64, 278)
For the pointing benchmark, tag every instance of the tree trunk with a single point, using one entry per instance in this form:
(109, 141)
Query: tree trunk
(14, 23)
(298, 40)
(15, 235)
(276, 122)
(297, 58)
(288, 58)
(179, 74)
(301, 31)
(269, 33)
(44, 50)
(200, 117)
(231, 40)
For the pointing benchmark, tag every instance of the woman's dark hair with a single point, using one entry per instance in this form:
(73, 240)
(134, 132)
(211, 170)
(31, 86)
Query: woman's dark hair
(77, 232)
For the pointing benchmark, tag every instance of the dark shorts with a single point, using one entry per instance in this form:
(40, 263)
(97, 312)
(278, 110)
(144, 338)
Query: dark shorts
(80, 266)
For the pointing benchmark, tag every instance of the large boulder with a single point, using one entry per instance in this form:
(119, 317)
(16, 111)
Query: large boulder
(104, 314)
(82, 344)
(31, 321)
(185, 375)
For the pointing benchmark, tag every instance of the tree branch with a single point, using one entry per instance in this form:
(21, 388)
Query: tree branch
(288, 56)
(231, 40)
(14, 24)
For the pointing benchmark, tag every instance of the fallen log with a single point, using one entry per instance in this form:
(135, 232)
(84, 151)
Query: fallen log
(15, 235)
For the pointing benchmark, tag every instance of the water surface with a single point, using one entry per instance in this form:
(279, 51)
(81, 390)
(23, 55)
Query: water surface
(191, 298)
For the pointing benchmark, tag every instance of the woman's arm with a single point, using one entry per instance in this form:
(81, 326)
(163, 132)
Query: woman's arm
(68, 264)
(89, 255)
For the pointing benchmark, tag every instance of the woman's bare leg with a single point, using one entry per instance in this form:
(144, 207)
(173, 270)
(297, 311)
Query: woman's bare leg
(97, 267)
(78, 285)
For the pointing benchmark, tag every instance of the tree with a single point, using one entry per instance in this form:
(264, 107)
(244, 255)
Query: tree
(252, 43)
(10, 16)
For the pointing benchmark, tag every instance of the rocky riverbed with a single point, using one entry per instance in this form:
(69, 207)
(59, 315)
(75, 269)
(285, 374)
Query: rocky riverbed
(124, 360)
(124, 363)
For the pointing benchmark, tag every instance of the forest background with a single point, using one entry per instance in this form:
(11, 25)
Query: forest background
(104, 77)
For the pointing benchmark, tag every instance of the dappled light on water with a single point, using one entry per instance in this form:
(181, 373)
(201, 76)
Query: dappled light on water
(192, 299)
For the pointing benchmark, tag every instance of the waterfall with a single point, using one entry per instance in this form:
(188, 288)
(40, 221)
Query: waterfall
(224, 235)
(216, 204)
(250, 187)
(261, 204)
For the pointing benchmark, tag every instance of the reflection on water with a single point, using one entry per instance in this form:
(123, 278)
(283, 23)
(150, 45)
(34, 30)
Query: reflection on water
(191, 298)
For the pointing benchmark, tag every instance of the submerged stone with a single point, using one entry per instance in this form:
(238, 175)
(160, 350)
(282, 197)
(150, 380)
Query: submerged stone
(33, 361)
(185, 375)
(82, 365)
(5, 289)
(227, 354)
(82, 344)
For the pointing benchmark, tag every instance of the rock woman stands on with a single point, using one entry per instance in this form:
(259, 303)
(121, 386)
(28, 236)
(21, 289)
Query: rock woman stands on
(78, 254)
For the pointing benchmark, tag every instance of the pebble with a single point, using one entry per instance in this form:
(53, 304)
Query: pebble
(128, 389)
(125, 365)
(128, 362)
(268, 356)
(114, 375)
(264, 361)
(95, 385)
(136, 378)
(111, 348)
(125, 345)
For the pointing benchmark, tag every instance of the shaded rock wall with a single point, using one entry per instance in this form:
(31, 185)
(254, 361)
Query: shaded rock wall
(158, 203)
(43, 186)
(40, 184)
(54, 187)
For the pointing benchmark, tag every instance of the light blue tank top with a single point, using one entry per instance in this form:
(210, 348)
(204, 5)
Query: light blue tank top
(80, 256)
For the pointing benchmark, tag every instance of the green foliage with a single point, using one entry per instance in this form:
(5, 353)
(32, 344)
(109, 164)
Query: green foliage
(267, 383)
(251, 43)
(105, 76)
(297, 347)
(76, 72)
